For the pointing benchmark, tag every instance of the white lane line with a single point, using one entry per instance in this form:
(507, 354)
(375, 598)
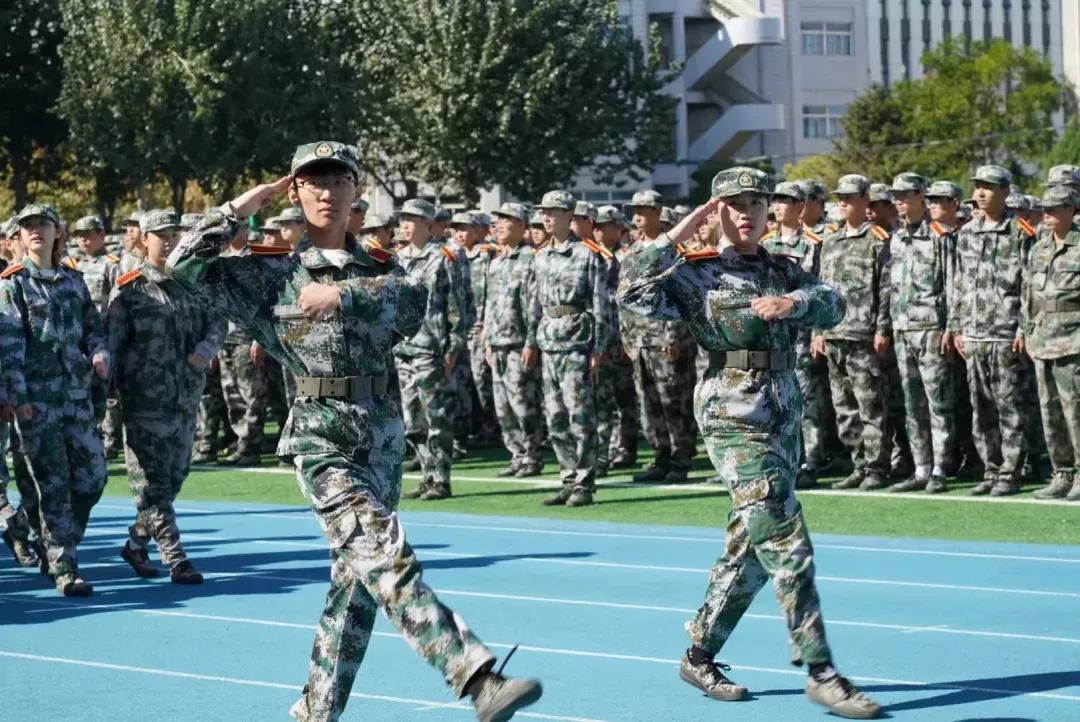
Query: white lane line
(701, 570)
(259, 683)
(599, 655)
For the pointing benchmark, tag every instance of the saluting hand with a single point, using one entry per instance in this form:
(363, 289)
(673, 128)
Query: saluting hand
(250, 202)
(686, 228)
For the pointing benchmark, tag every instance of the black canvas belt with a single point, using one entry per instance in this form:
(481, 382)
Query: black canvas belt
(753, 360)
(353, 388)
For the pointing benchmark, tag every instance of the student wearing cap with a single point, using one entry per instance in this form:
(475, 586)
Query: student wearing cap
(984, 323)
(571, 312)
(745, 307)
(425, 362)
(377, 228)
(132, 252)
(162, 339)
(855, 261)
(1051, 319)
(662, 353)
(48, 358)
(438, 226)
(923, 253)
(271, 232)
(882, 207)
(616, 400)
(1063, 175)
(357, 212)
(291, 225)
(330, 311)
(537, 235)
(507, 331)
(190, 220)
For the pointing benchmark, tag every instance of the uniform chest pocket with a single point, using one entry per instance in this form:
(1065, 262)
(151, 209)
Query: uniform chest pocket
(1066, 275)
(735, 322)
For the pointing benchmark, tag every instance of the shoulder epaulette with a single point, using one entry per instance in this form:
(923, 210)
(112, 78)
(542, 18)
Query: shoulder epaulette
(11, 270)
(814, 238)
(112, 258)
(769, 236)
(448, 253)
(680, 249)
(598, 249)
(832, 228)
(128, 278)
(489, 248)
(938, 228)
(881, 233)
(1028, 228)
(378, 254)
(702, 255)
(71, 263)
(262, 250)
(544, 244)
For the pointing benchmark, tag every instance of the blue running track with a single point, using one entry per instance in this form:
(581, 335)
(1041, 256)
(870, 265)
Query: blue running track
(935, 630)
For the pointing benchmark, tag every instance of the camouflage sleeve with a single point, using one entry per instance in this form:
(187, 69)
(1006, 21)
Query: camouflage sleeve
(817, 304)
(464, 269)
(458, 312)
(601, 306)
(644, 279)
(956, 288)
(93, 339)
(530, 303)
(233, 286)
(13, 342)
(369, 298)
(883, 286)
(116, 324)
(1027, 248)
(216, 328)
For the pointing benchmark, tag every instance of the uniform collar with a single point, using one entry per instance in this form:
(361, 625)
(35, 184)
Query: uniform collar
(986, 227)
(38, 272)
(313, 257)
(860, 231)
(151, 273)
(566, 246)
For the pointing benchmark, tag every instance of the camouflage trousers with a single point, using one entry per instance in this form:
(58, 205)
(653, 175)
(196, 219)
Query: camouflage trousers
(665, 391)
(27, 518)
(813, 375)
(895, 414)
(995, 377)
(1034, 440)
(483, 407)
(277, 406)
(515, 391)
(926, 381)
(244, 387)
(67, 464)
(157, 449)
(570, 409)
(6, 509)
(766, 538)
(112, 425)
(427, 400)
(616, 411)
(212, 420)
(354, 496)
(461, 399)
(1059, 400)
(858, 381)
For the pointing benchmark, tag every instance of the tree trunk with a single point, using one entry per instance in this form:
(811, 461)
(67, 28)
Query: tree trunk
(20, 180)
(178, 187)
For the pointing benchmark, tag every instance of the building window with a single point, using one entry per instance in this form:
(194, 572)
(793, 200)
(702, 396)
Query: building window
(826, 38)
(822, 121)
(663, 27)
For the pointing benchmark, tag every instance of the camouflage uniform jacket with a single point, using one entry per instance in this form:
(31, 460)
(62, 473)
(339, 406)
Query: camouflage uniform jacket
(573, 276)
(443, 330)
(987, 285)
(1052, 297)
(479, 261)
(856, 263)
(710, 290)
(922, 261)
(636, 331)
(50, 329)
(100, 273)
(379, 303)
(154, 325)
(803, 247)
(507, 319)
(235, 335)
(461, 281)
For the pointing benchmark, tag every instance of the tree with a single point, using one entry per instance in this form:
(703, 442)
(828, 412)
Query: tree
(878, 141)
(523, 93)
(29, 84)
(823, 167)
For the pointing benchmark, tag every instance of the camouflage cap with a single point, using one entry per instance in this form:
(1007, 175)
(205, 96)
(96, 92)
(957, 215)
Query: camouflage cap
(585, 209)
(944, 189)
(1060, 195)
(683, 211)
(290, 214)
(646, 199)
(38, 209)
(461, 218)
(374, 221)
(557, 200)
(418, 207)
(190, 220)
(270, 224)
(909, 182)
(1017, 202)
(1063, 175)
(994, 174)
(813, 190)
(159, 219)
(852, 184)
(609, 214)
(480, 218)
(880, 192)
(513, 211)
(359, 205)
(963, 212)
(442, 215)
(133, 219)
(738, 180)
(88, 223)
(787, 189)
(324, 150)
(537, 219)
(1034, 202)
(668, 216)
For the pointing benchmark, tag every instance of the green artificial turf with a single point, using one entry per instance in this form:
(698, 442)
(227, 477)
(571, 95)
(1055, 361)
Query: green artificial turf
(938, 518)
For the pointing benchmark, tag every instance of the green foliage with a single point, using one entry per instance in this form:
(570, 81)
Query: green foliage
(823, 167)
(1066, 150)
